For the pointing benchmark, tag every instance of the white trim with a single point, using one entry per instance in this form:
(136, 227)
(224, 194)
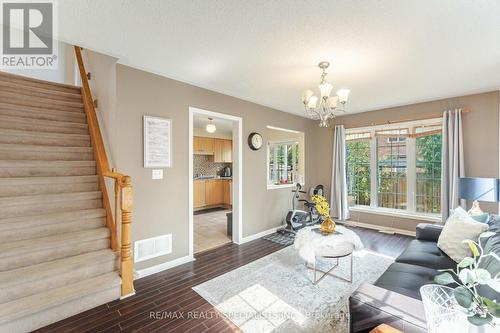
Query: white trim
(237, 178)
(380, 228)
(283, 129)
(394, 125)
(397, 213)
(162, 267)
(275, 187)
(259, 235)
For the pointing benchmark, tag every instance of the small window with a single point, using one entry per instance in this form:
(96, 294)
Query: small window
(285, 156)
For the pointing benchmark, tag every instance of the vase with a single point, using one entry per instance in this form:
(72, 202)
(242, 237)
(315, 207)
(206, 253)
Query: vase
(327, 226)
(442, 312)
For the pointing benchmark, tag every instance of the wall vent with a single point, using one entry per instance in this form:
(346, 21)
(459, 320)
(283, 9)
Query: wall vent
(152, 247)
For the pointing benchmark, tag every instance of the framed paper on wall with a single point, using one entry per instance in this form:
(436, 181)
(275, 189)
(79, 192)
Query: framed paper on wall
(157, 142)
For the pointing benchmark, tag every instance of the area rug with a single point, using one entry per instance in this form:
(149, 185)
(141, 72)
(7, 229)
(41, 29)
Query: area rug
(275, 293)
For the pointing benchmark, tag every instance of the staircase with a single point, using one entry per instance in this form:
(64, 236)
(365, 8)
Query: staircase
(55, 255)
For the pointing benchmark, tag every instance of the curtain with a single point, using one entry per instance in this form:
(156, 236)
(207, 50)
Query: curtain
(452, 161)
(338, 197)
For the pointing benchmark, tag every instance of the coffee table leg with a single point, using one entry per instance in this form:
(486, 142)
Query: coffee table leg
(315, 270)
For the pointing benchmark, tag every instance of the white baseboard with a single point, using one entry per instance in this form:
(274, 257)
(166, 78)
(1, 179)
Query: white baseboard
(162, 267)
(259, 235)
(381, 228)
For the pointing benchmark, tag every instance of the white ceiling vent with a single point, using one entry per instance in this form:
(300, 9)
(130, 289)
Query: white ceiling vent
(152, 247)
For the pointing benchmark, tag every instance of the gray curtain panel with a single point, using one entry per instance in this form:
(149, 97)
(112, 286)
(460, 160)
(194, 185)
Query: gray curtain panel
(339, 204)
(452, 161)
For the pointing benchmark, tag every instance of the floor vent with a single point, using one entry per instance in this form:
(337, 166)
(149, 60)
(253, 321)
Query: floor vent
(152, 247)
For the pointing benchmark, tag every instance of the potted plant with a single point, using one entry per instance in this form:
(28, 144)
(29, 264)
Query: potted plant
(323, 209)
(468, 276)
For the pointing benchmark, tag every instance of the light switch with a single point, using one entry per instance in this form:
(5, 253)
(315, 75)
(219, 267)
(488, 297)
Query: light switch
(157, 174)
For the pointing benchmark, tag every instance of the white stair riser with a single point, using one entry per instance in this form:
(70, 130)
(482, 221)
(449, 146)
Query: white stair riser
(47, 208)
(33, 258)
(46, 171)
(46, 115)
(74, 273)
(45, 155)
(50, 229)
(16, 190)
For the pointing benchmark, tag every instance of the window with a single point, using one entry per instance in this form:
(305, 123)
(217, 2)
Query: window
(283, 163)
(396, 167)
(285, 157)
(358, 169)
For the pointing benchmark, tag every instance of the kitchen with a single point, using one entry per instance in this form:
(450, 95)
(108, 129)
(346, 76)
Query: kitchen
(212, 183)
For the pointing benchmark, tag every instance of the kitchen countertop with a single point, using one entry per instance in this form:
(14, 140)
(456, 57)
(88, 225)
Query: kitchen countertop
(213, 178)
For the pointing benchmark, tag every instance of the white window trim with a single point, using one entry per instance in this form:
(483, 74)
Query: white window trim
(410, 211)
(274, 186)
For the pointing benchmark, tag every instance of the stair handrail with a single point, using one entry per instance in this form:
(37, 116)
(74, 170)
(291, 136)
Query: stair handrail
(122, 186)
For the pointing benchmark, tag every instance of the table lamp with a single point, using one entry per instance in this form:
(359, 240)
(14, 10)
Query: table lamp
(478, 189)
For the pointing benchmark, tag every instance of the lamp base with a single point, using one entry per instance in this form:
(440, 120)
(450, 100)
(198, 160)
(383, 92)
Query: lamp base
(475, 209)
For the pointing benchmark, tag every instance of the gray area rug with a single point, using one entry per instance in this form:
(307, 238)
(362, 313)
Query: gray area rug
(275, 293)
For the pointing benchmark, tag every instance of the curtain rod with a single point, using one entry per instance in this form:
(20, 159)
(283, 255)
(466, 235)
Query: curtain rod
(389, 122)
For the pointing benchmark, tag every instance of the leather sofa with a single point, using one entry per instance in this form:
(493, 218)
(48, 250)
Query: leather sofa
(394, 298)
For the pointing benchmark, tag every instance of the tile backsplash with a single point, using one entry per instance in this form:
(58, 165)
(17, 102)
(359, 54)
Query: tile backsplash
(202, 165)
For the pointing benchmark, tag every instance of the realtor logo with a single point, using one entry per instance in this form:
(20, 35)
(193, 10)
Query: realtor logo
(27, 35)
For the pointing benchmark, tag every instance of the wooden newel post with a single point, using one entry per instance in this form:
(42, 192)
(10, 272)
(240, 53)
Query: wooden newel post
(127, 266)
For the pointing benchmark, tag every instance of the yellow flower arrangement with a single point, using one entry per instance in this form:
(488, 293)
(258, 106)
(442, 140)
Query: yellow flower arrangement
(322, 205)
(323, 209)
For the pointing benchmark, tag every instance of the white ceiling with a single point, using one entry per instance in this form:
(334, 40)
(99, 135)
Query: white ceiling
(222, 125)
(388, 52)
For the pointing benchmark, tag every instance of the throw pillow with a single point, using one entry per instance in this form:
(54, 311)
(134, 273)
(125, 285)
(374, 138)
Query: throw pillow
(458, 227)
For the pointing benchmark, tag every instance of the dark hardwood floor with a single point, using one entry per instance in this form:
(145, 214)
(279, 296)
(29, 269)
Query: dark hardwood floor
(165, 302)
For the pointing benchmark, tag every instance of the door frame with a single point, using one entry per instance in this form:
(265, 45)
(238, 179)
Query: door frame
(237, 181)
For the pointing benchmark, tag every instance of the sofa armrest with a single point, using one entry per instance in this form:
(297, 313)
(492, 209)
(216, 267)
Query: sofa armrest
(428, 232)
(370, 306)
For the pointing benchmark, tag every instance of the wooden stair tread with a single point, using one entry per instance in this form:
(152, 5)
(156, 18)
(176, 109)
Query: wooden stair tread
(37, 244)
(46, 269)
(39, 302)
(48, 198)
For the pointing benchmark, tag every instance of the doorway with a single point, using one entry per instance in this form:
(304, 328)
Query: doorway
(215, 168)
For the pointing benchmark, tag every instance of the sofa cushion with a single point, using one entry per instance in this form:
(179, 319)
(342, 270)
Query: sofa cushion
(491, 244)
(426, 254)
(458, 227)
(406, 279)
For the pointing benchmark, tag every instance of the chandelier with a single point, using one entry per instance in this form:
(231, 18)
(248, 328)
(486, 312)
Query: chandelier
(328, 106)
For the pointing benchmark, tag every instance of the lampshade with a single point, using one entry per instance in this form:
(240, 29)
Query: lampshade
(333, 101)
(480, 189)
(325, 89)
(306, 95)
(312, 102)
(210, 128)
(343, 95)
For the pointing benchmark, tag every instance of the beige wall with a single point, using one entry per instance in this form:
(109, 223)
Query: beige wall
(481, 141)
(161, 206)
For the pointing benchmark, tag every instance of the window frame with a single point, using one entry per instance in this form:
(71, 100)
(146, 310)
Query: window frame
(296, 174)
(411, 174)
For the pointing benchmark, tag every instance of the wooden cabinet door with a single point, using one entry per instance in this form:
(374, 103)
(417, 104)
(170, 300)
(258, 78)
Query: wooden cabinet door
(207, 145)
(199, 193)
(214, 192)
(196, 143)
(218, 150)
(226, 192)
(227, 149)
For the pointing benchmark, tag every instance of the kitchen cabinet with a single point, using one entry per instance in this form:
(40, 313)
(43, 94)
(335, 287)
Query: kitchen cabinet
(211, 193)
(214, 192)
(203, 145)
(226, 190)
(223, 151)
(199, 193)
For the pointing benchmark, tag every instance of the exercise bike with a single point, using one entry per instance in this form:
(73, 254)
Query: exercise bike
(297, 219)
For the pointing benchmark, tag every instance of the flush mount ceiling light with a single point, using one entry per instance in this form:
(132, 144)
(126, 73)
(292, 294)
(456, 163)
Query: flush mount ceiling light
(211, 128)
(328, 105)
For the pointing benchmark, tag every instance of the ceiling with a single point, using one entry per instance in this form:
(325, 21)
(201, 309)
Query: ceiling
(388, 52)
(222, 125)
